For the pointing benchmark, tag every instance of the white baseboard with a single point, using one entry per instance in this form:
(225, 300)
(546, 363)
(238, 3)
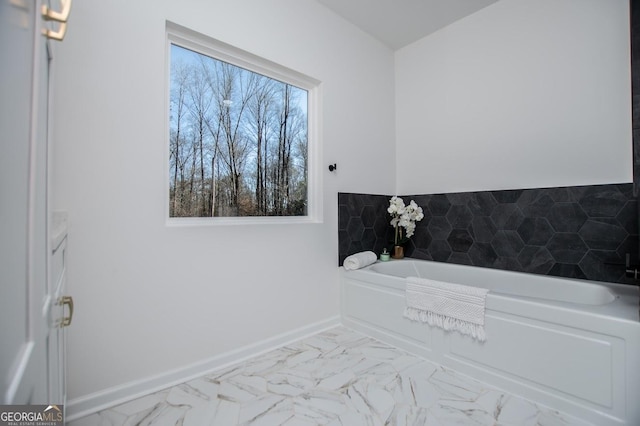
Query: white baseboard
(89, 404)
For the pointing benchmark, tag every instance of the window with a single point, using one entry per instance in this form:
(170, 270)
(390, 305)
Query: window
(242, 133)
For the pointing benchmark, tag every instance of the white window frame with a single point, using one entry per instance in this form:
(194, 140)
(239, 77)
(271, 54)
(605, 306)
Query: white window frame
(200, 43)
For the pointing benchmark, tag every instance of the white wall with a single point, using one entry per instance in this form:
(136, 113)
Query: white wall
(151, 298)
(521, 94)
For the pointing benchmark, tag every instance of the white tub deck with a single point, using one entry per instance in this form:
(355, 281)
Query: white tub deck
(571, 345)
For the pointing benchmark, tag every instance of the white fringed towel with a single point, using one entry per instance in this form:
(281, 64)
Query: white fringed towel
(446, 305)
(359, 260)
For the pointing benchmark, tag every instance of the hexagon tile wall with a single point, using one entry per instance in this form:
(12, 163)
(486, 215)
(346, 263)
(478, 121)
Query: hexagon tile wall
(577, 232)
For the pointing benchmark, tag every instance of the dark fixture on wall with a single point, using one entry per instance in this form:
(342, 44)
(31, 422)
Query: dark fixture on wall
(333, 167)
(631, 271)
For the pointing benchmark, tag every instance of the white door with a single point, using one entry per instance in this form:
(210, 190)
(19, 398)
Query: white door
(25, 296)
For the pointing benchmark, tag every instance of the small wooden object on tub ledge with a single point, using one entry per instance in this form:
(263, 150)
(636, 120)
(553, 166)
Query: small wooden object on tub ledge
(398, 252)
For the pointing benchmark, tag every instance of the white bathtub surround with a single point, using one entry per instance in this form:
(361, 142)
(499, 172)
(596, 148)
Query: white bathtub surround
(360, 260)
(568, 344)
(452, 307)
(338, 377)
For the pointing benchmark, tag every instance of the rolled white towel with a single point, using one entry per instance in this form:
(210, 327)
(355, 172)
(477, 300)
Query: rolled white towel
(359, 260)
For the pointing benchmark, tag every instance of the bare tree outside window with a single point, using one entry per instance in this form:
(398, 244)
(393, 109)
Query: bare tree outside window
(238, 141)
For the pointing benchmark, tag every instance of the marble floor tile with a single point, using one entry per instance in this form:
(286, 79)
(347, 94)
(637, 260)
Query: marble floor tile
(338, 378)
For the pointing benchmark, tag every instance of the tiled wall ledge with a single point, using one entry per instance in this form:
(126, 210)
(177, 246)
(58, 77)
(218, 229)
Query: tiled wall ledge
(577, 232)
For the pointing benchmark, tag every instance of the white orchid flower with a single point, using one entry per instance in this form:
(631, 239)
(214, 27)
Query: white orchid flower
(404, 216)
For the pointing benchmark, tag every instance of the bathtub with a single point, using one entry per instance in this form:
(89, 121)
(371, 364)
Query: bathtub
(571, 345)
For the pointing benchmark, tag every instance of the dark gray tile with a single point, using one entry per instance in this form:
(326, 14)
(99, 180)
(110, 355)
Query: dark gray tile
(507, 196)
(603, 234)
(440, 250)
(460, 258)
(355, 247)
(422, 238)
(343, 216)
(368, 238)
(535, 231)
(343, 242)
(535, 260)
(630, 246)
(459, 216)
(567, 247)
(481, 203)
(460, 240)
(508, 263)
(355, 228)
(439, 205)
(507, 216)
(369, 214)
(421, 254)
(560, 195)
(483, 223)
(507, 244)
(355, 204)
(628, 217)
(626, 189)
(602, 201)
(567, 271)
(566, 217)
(482, 254)
(382, 227)
(459, 198)
(535, 203)
(439, 228)
(602, 265)
(483, 230)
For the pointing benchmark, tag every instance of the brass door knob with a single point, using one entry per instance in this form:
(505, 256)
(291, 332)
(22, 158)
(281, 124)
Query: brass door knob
(66, 300)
